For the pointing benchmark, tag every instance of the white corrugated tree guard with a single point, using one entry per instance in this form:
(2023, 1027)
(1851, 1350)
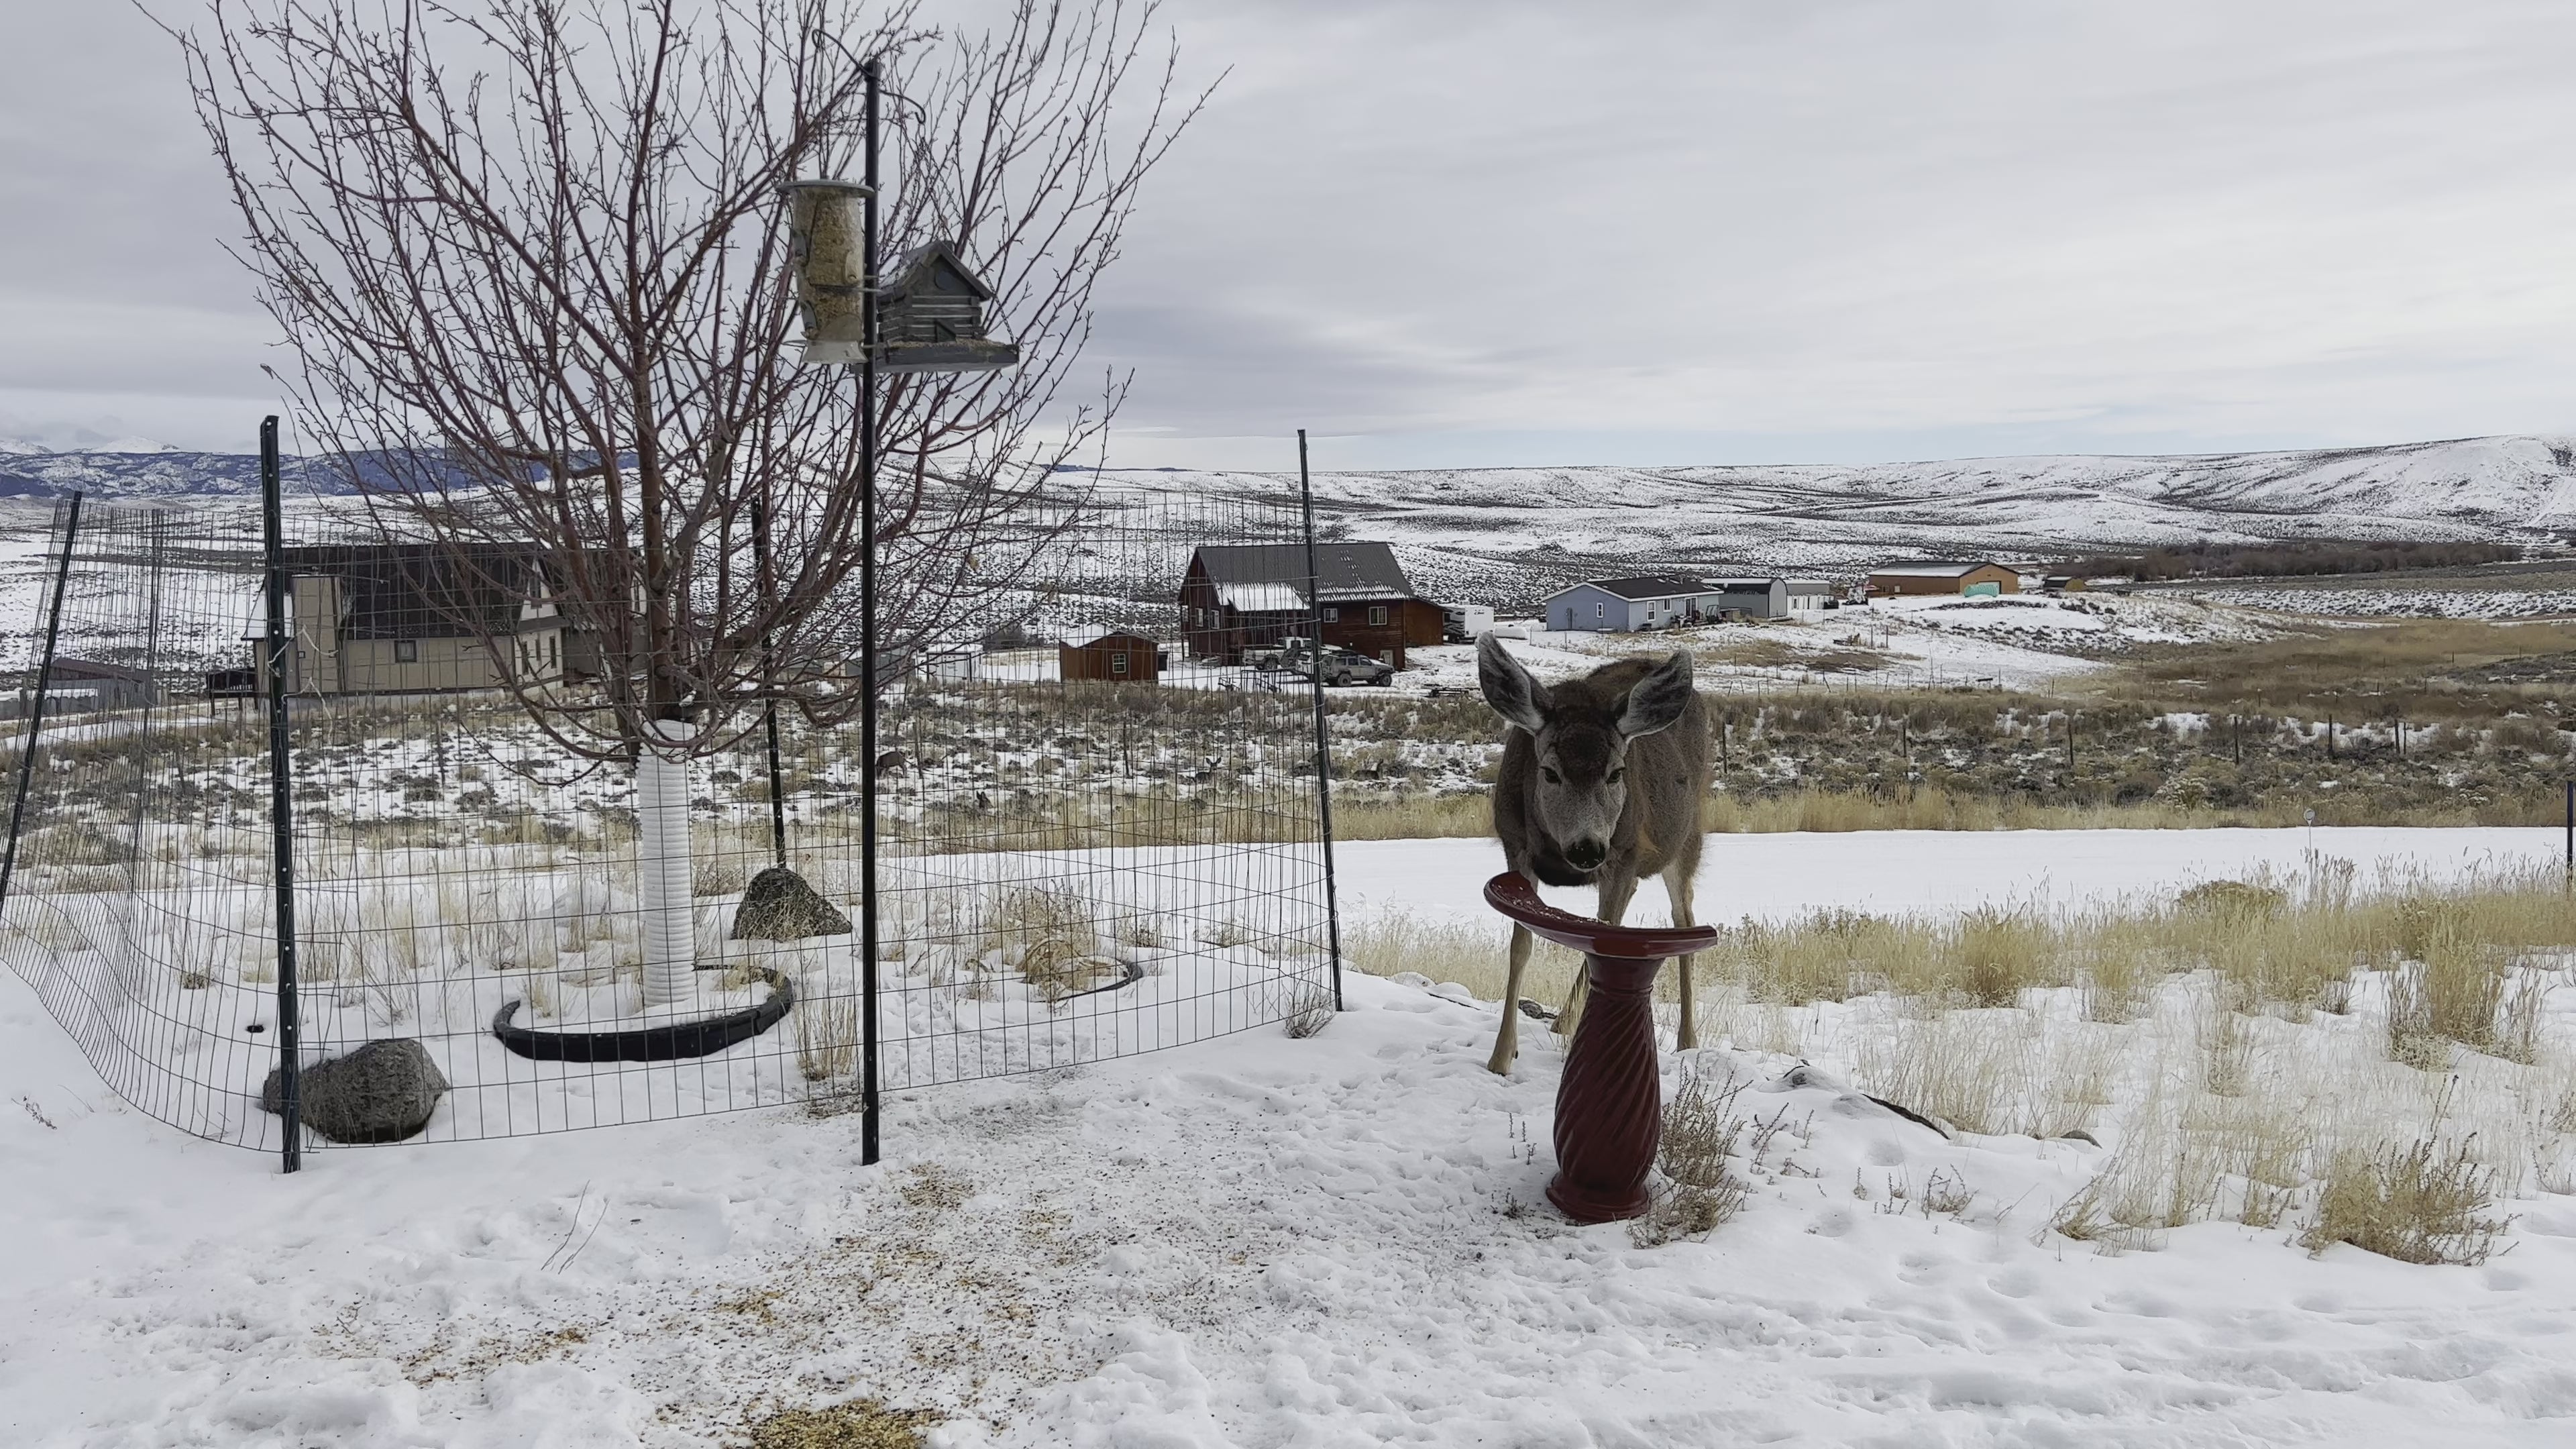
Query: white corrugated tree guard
(665, 889)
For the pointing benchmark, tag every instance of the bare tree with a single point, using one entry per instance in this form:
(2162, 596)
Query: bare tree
(529, 256)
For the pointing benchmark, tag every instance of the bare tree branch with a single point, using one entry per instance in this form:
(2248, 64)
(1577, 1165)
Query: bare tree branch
(530, 259)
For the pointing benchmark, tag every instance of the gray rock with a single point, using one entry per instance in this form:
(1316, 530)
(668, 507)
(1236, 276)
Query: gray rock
(779, 906)
(382, 1092)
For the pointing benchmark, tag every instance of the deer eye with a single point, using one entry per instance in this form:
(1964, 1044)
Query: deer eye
(1553, 777)
(1615, 774)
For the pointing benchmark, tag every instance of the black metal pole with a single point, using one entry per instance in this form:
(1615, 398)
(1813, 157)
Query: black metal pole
(769, 682)
(1323, 731)
(869, 1136)
(36, 703)
(281, 797)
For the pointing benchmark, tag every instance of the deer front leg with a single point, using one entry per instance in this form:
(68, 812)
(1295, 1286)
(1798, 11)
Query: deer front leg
(1678, 884)
(1615, 892)
(1507, 1040)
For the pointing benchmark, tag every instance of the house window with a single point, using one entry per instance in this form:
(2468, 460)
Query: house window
(1117, 663)
(406, 651)
(1332, 615)
(1600, 612)
(1377, 615)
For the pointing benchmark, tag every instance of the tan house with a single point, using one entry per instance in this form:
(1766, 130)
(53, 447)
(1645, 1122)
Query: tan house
(420, 618)
(1935, 577)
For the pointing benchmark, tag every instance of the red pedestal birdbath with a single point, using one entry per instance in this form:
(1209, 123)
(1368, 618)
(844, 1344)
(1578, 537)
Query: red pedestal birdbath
(1610, 1102)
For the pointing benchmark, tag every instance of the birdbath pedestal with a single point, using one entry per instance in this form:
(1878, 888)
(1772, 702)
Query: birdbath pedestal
(1610, 1100)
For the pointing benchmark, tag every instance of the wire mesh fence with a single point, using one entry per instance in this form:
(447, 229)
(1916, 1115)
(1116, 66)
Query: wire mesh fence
(1092, 842)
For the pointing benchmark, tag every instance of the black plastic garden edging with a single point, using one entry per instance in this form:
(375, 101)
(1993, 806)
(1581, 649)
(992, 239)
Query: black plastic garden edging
(649, 1043)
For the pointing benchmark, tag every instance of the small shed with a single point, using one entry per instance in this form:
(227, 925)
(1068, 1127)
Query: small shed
(97, 684)
(1809, 597)
(1110, 654)
(930, 316)
(1753, 598)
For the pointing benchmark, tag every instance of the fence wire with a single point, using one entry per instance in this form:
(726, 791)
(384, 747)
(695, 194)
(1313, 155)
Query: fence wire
(1092, 844)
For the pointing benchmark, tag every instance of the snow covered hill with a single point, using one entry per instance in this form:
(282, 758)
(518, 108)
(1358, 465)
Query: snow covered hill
(1507, 534)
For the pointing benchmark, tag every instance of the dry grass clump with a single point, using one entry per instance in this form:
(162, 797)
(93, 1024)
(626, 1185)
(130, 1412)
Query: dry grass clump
(1049, 937)
(1994, 955)
(1473, 954)
(2168, 1173)
(859, 1424)
(2416, 1203)
(2457, 983)
(1312, 1013)
(1827, 955)
(1966, 1068)
(1701, 1130)
(827, 1037)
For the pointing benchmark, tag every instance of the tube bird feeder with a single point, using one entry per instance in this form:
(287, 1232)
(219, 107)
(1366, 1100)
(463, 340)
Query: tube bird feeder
(827, 252)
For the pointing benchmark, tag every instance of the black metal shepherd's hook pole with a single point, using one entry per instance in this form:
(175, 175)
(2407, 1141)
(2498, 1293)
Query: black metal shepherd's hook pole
(868, 1103)
(1323, 733)
(36, 703)
(281, 797)
(769, 685)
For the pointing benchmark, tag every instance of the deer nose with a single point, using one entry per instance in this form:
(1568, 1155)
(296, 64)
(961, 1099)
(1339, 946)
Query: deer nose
(1585, 854)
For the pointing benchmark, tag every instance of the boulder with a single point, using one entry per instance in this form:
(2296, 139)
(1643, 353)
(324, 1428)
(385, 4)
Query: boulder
(382, 1092)
(779, 906)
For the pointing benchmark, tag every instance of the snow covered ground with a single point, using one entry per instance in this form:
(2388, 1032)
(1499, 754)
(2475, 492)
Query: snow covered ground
(2396, 601)
(2021, 642)
(1250, 1241)
(1775, 877)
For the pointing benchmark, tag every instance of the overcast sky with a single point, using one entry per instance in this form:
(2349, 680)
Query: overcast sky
(1475, 232)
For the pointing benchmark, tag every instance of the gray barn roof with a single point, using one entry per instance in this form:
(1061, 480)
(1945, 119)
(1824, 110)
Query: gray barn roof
(1646, 586)
(1343, 570)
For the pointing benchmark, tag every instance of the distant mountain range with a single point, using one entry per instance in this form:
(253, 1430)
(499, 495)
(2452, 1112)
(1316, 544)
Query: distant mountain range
(1528, 528)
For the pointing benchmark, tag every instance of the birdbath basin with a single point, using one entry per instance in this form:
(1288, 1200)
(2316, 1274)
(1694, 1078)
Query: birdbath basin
(1610, 1101)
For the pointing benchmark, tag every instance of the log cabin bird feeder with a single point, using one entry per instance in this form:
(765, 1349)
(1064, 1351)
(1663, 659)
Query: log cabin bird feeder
(930, 304)
(930, 316)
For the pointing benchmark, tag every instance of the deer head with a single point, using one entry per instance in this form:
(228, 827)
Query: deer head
(1580, 734)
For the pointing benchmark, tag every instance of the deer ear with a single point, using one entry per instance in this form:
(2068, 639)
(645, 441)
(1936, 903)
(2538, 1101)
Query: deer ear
(1519, 699)
(1657, 701)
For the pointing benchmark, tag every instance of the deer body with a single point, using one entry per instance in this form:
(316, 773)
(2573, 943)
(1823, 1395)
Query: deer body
(1601, 784)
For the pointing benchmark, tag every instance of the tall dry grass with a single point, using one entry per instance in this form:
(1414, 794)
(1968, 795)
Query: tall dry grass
(2232, 1041)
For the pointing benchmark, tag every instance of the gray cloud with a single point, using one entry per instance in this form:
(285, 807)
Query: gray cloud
(1523, 232)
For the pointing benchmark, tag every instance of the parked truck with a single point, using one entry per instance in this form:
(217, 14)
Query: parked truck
(1299, 656)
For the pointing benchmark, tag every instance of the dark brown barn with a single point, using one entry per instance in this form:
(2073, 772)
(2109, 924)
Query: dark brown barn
(1110, 655)
(1251, 596)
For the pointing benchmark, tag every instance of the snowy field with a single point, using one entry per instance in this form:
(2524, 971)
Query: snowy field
(1250, 1241)
(2022, 642)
